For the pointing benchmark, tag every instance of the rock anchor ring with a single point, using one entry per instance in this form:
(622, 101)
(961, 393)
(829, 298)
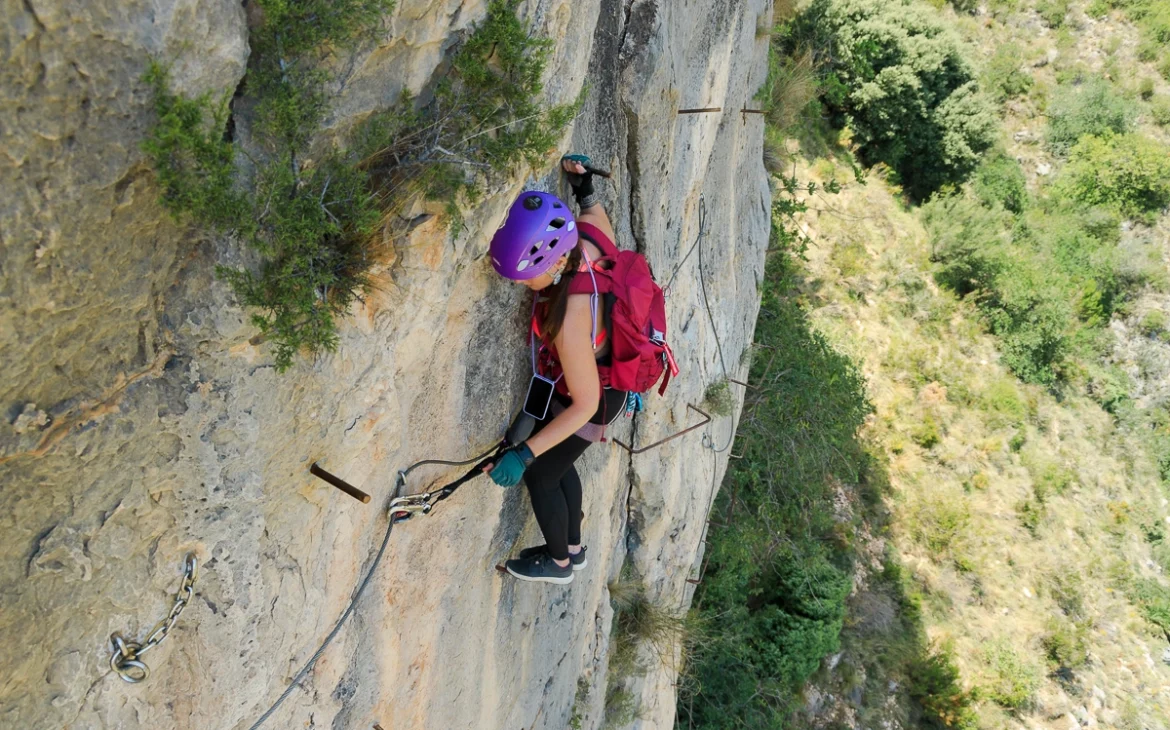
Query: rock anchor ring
(124, 664)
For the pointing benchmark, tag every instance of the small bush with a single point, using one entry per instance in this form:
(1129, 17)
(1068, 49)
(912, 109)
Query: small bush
(1066, 643)
(194, 164)
(1007, 75)
(621, 708)
(1031, 513)
(718, 400)
(1012, 680)
(999, 180)
(1154, 323)
(966, 243)
(935, 683)
(1003, 403)
(1053, 12)
(1093, 108)
(485, 117)
(1127, 173)
(1152, 600)
(850, 257)
(641, 623)
(1034, 321)
(1146, 88)
(926, 433)
(1019, 438)
(941, 524)
(1067, 588)
(1160, 110)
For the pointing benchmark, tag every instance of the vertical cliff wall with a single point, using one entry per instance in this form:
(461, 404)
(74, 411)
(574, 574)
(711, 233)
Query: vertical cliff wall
(143, 419)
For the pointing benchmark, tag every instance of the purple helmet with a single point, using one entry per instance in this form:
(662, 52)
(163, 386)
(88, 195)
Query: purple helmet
(539, 230)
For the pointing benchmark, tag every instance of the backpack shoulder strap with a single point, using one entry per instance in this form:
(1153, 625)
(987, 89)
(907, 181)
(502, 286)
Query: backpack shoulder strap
(602, 241)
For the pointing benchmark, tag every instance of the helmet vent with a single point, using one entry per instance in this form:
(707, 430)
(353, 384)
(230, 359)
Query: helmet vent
(532, 202)
(522, 265)
(558, 205)
(537, 260)
(556, 224)
(535, 248)
(552, 244)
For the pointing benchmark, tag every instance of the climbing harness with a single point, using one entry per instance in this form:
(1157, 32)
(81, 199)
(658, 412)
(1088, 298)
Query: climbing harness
(126, 658)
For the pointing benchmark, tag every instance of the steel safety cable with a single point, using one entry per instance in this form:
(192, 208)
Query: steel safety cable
(709, 442)
(691, 250)
(361, 587)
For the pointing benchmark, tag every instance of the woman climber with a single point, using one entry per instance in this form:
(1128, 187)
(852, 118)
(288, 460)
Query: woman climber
(561, 259)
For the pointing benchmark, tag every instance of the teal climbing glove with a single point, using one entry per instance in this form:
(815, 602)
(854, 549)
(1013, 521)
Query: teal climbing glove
(511, 465)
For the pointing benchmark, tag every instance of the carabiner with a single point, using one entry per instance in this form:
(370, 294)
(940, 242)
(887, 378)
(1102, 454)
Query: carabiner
(403, 508)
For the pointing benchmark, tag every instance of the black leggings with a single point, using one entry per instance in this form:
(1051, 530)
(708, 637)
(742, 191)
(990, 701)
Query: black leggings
(555, 487)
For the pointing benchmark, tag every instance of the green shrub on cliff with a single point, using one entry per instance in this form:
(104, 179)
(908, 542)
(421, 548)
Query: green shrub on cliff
(900, 80)
(485, 118)
(195, 165)
(310, 221)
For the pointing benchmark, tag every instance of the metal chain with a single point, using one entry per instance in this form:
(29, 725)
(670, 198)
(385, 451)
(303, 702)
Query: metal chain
(126, 659)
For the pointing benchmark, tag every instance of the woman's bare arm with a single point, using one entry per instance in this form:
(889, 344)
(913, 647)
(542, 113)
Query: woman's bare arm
(576, 355)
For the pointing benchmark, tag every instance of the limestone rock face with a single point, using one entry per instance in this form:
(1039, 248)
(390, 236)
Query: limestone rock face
(142, 421)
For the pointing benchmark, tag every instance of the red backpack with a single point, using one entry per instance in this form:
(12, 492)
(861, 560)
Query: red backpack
(638, 353)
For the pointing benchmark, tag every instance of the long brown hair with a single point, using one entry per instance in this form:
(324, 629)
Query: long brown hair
(556, 299)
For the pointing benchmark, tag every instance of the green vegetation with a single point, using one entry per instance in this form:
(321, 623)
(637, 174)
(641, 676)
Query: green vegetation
(1053, 12)
(641, 626)
(1127, 173)
(1153, 600)
(1066, 643)
(1028, 303)
(718, 400)
(1153, 18)
(312, 210)
(1028, 515)
(901, 82)
(1160, 110)
(999, 181)
(1005, 76)
(576, 719)
(936, 685)
(1012, 680)
(1093, 108)
(778, 576)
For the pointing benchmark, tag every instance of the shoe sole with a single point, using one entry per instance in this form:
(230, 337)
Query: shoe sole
(543, 579)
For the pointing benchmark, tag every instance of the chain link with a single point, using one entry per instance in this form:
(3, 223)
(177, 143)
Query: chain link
(126, 659)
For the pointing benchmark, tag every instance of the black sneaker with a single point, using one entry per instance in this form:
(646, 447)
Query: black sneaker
(540, 568)
(578, 561)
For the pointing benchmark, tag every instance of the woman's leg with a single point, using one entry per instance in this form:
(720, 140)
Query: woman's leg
(558, 519)
(571, 488)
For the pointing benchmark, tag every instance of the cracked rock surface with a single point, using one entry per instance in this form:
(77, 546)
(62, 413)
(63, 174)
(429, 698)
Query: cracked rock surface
(142, 420)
